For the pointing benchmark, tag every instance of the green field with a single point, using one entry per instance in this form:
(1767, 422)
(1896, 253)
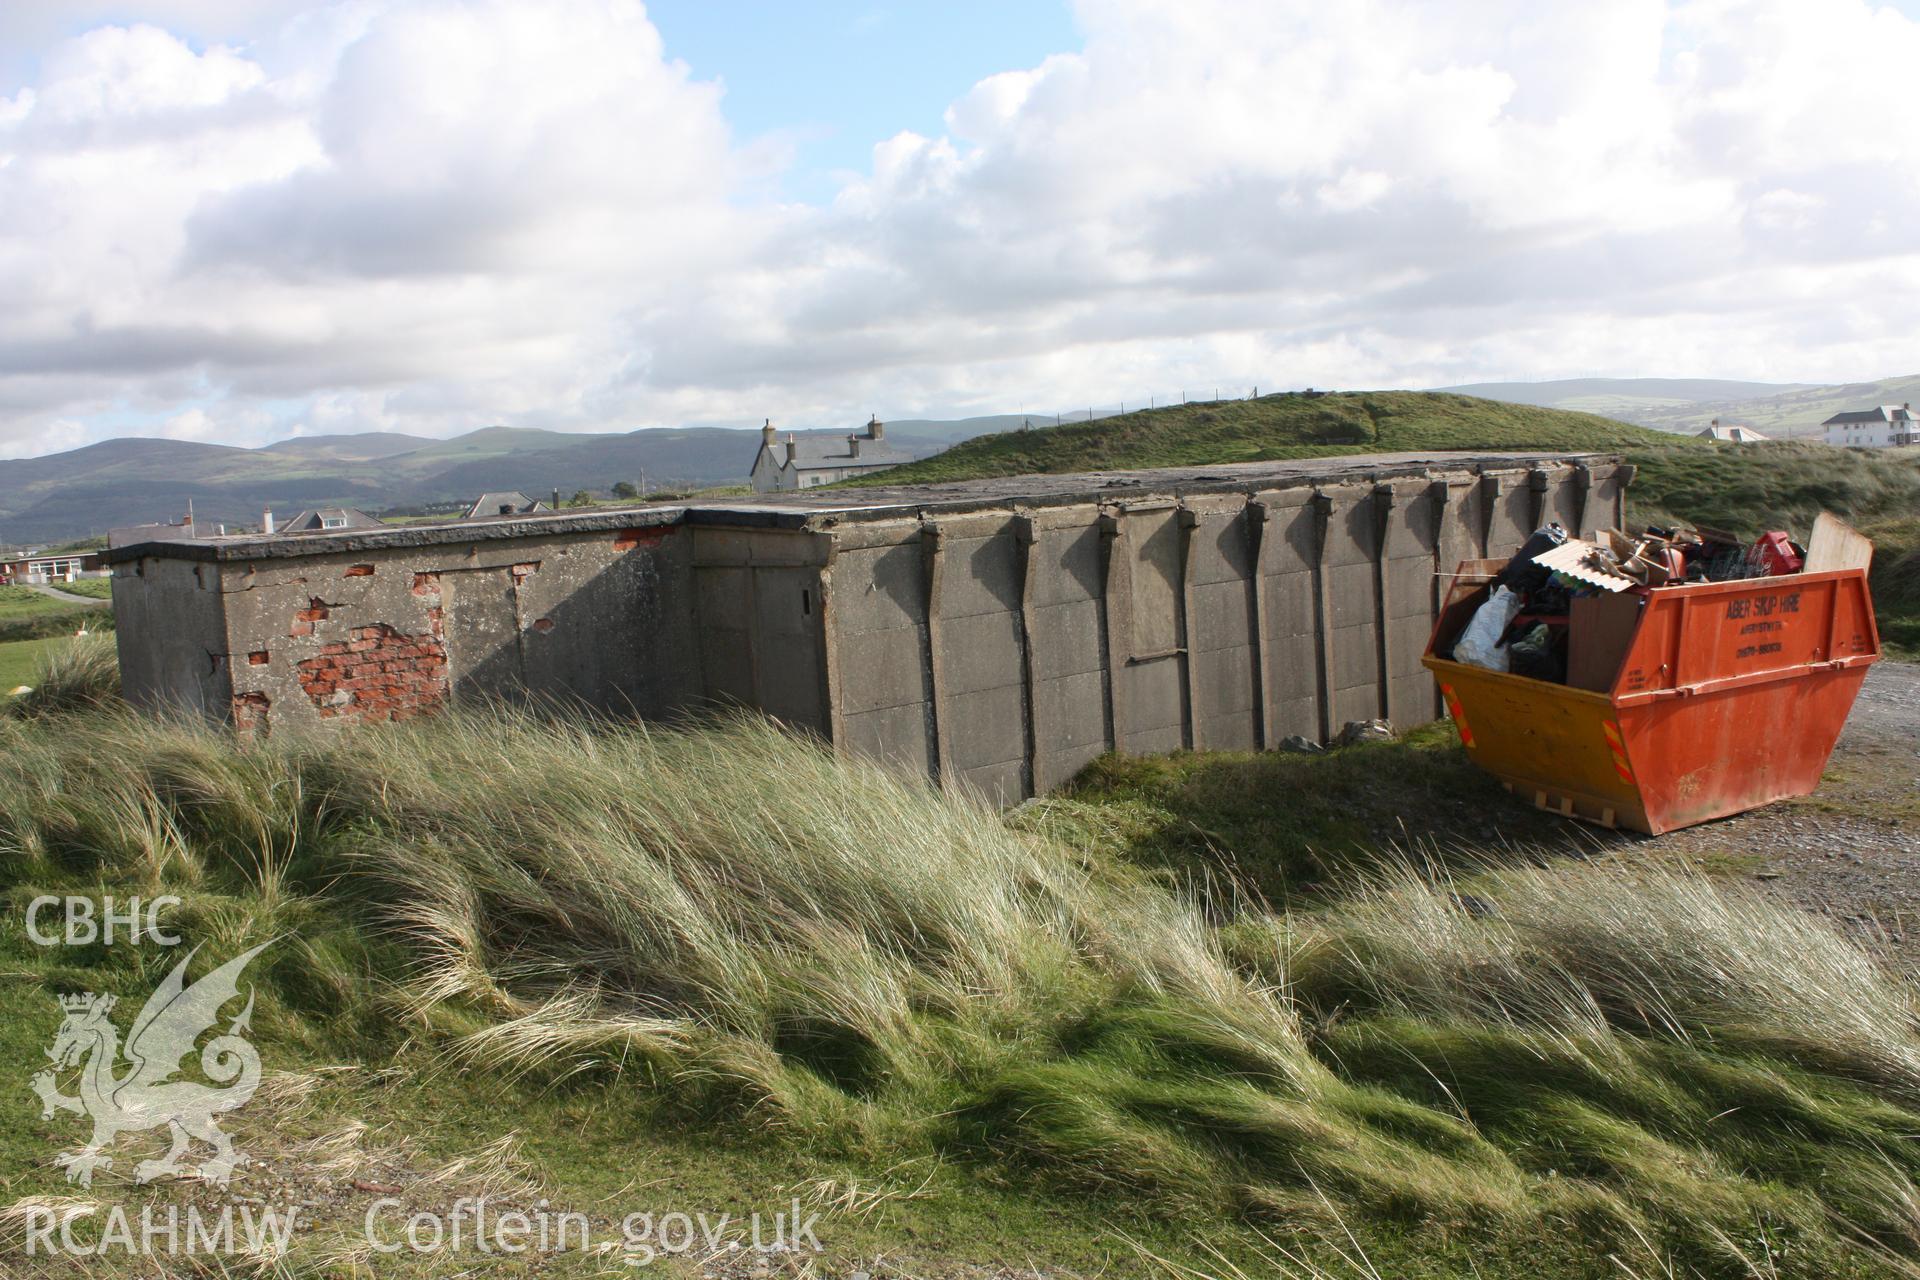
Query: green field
(17, 602)
(92, 588)
(20, 659)
(28, 615)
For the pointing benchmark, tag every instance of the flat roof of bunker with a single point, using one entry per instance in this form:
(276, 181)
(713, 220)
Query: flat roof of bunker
(824, 508)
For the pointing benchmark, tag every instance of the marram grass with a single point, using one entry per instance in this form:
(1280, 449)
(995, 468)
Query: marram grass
(737, 927)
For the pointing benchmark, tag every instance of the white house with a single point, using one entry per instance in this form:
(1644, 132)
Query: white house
(1880, 427)
(801, 462)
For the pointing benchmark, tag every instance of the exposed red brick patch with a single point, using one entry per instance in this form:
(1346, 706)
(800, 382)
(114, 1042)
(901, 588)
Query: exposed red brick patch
(628, 539)
(521, 572)
(426, 584)
(378, 673)
(317, 610)
(358, 571)
(250, 713)
(258, 657)
(543, 625)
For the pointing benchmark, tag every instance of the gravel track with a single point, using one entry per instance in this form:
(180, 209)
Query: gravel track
(1851, 850)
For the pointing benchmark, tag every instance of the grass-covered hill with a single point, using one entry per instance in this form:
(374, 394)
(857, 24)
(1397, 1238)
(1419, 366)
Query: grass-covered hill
(619, 969)
(1292, 425)
(1744, 488)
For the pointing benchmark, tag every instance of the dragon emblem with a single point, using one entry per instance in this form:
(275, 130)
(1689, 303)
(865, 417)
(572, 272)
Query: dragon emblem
(146, 1095)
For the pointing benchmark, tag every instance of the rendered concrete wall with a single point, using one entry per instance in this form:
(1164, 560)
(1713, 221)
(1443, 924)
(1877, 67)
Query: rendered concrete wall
(1002, 651)
(758, 618)
(169, 629)
(387, 632)
(998, 639)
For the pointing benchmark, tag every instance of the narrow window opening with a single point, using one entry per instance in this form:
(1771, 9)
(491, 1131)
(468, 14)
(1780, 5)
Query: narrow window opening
(806, 602)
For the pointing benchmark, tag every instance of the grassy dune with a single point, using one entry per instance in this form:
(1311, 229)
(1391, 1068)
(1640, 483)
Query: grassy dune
(723, 952)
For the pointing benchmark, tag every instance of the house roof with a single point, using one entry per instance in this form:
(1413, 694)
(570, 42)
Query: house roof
(513, 501)
(134, 535)
(820, 453)
(316, 520)
(1735, 434)
(1879, 413)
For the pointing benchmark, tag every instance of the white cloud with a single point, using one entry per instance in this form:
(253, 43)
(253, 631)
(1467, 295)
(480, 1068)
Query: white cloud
(435, 216)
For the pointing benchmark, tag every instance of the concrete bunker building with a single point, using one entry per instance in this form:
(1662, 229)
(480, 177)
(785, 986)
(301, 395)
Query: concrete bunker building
(995, 634)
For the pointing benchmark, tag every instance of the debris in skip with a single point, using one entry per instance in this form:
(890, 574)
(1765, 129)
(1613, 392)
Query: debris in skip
(1659, 679)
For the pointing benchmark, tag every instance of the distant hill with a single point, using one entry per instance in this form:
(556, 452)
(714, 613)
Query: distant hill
(1290, 425)
(364, 447)
(1688, 405)
(129, 481)
(1557, 394)
(1788, 415)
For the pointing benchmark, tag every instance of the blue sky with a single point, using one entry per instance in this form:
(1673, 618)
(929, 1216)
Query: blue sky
(837, 76)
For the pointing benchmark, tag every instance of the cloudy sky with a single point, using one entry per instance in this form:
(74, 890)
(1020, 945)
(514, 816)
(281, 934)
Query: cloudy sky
(237, 220)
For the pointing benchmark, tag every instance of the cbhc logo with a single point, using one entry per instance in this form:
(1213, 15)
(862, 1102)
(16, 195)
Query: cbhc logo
(84, 924)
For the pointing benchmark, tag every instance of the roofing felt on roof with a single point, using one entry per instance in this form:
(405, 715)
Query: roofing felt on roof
(823, 508)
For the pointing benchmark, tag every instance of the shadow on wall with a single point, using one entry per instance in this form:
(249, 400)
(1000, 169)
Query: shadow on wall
(503, 643)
